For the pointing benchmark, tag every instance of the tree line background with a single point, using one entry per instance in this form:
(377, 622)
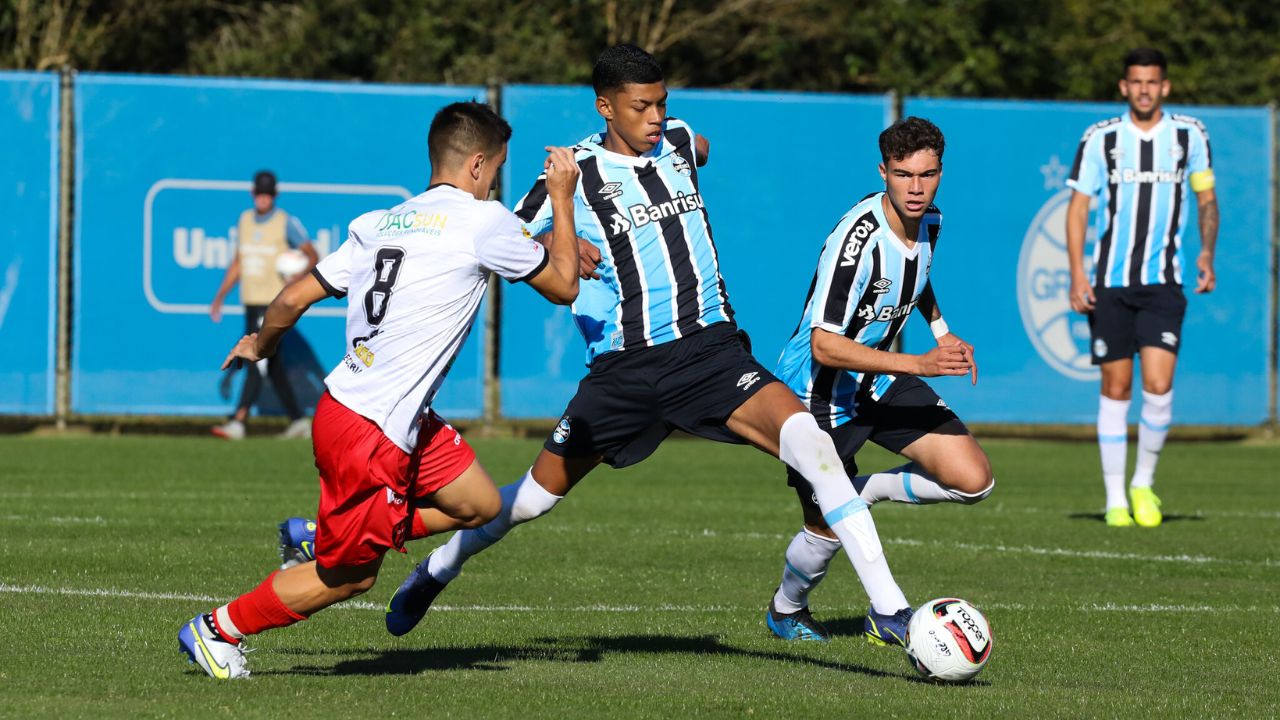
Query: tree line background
(1220, 53)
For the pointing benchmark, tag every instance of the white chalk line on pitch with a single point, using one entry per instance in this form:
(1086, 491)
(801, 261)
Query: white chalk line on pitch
(603, 608)
(1010, 549)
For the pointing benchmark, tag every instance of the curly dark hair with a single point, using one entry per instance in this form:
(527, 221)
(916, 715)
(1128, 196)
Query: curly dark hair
(909, 135)
(622, 64)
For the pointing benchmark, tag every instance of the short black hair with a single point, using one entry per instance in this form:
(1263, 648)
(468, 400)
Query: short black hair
(622, 64)
(1145, 57)
(464, 128)
(910, 135)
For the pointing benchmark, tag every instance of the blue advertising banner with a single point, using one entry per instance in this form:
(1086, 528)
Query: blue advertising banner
(164, 171)
(783, 168)
(28, 252)
(1002, 276)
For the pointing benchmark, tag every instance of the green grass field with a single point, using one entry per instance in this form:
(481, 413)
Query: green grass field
(642, 595)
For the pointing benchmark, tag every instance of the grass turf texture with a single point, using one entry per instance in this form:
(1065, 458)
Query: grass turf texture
(641, 595)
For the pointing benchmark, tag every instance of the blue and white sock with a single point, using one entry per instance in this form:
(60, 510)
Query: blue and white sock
(1113, 444)
(808, 557)
(911, 484)
(1157, 413)
(522, 501)
(808, 450)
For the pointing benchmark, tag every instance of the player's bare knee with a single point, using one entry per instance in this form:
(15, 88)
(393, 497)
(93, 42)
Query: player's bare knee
(973, 480)
(1158, 387)
(1117, 391)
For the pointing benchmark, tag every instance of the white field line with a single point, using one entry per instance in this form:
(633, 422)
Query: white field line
(942, 544)
(630, 609)
(1005, 549)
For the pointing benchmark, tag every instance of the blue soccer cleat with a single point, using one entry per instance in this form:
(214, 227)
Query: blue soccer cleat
(412, 600)
(297, 542)
(203, 646)
(887, 629)
(798, 625)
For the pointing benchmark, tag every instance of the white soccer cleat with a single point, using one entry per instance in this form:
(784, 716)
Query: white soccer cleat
(230, 430)
(300, 428)
(217, 657)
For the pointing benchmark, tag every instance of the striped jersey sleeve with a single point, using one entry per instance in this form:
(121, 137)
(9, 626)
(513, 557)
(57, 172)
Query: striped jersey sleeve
(534, 209)
(842, 277)
(1087, 172)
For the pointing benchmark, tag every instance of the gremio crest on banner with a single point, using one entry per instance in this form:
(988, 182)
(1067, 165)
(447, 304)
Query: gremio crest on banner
(1060, 335)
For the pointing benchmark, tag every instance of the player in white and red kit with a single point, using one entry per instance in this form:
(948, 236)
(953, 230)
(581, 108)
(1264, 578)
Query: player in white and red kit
(392, 470)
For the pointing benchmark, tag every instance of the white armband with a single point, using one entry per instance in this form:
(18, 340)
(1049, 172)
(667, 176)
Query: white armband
(939, 328)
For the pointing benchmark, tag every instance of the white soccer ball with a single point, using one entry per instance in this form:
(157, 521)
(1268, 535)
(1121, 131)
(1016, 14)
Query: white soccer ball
(291, 263)
(948, 640)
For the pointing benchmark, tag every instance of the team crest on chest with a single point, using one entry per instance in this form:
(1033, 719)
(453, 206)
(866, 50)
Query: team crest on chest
(681, 165)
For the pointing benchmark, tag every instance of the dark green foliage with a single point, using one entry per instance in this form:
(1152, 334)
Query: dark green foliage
(1065, 49)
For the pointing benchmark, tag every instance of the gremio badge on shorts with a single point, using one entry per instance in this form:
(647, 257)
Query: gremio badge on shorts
(1060, 335)
(561, 433)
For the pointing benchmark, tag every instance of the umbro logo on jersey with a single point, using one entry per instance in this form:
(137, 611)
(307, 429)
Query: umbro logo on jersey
(746, 381)
(881, 286)
(942, 403)
(1169, 339)
(1116, 153)
(610, 190)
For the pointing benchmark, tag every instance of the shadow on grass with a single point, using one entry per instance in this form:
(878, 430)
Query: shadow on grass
(1100, 517)
(563, 650)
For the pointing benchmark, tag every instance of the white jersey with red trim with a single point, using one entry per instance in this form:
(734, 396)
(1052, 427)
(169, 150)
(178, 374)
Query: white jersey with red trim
(416, 275)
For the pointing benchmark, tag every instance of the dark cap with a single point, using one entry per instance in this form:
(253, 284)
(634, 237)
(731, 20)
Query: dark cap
(264, 183)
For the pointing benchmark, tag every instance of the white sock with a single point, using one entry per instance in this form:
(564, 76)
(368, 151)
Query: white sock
(1113, 443)
(522, 501)
(809, 451)
(911, 484)
(808, 557)
(1157, 412)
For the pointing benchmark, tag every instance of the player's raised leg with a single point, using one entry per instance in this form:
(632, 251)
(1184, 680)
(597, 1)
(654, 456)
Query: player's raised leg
(1157, 413)
(775, 421)
(521, 501)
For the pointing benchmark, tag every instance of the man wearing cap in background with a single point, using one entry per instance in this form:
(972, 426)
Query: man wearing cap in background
(264, 234)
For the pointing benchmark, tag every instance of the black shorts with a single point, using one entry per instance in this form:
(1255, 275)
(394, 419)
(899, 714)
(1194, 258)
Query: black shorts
(908, 411)
(631, 400)
(1126, 319)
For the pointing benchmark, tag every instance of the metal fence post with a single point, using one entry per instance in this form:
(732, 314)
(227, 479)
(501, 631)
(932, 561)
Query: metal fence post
(1273, 364)
(493, 314)
(66, 204)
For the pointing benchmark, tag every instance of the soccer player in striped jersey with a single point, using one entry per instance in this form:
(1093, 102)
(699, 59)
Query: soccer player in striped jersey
(663, 349)
(873, 274)
(1138, 166)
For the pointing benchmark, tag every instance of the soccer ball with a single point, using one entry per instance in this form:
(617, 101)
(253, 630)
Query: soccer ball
(291, 263)
(948, 640)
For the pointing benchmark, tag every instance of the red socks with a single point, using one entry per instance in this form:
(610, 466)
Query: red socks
(255, 611)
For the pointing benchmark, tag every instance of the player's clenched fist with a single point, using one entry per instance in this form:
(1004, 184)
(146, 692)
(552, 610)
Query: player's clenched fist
(562, 172)
(944, 360)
